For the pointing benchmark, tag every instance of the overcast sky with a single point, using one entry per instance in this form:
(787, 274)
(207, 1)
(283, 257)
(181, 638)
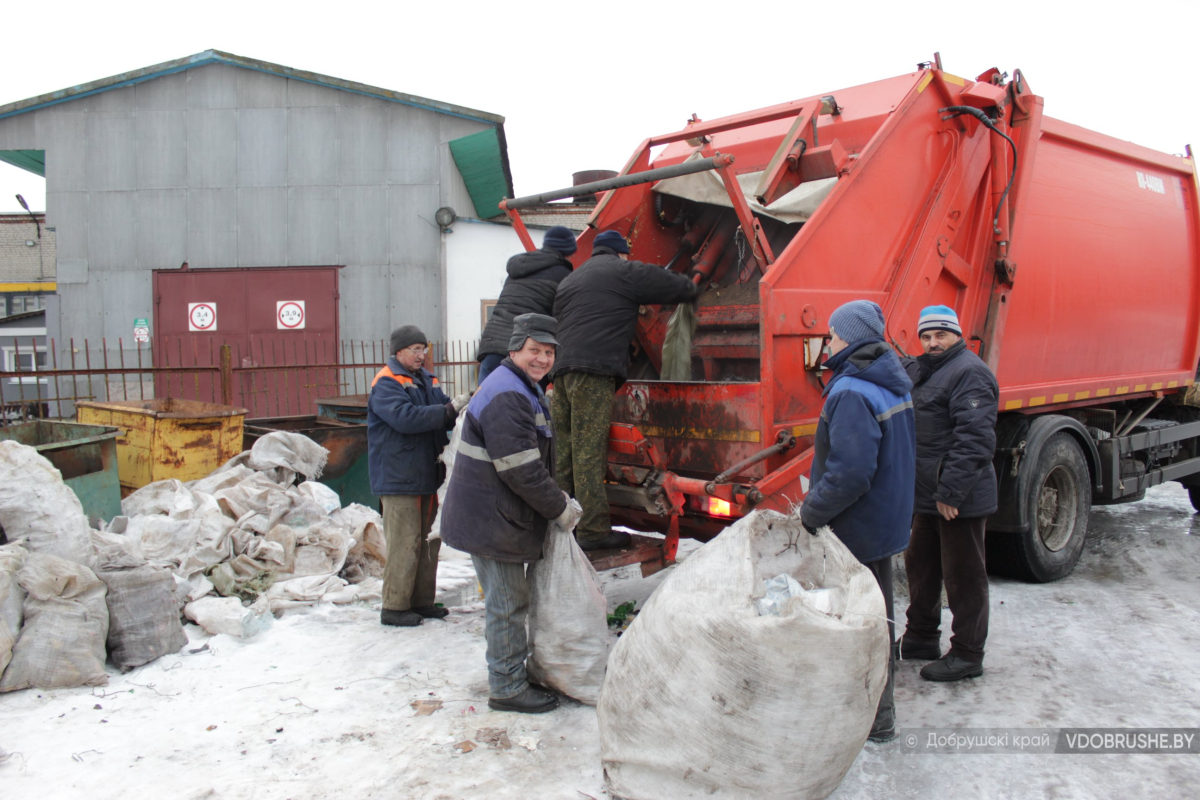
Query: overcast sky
(582, 85)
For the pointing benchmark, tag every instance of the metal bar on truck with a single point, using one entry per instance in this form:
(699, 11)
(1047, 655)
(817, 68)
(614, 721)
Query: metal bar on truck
(717, 161)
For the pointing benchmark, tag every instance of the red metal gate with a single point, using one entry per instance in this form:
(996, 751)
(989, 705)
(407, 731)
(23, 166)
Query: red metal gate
(270, 316)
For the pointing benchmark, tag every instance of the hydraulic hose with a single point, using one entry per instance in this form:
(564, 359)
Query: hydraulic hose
(987, 122)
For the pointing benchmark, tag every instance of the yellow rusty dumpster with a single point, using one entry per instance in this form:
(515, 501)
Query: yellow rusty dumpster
(167, 438)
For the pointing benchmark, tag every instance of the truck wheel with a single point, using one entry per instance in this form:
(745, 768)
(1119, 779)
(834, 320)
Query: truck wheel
(1059, 505)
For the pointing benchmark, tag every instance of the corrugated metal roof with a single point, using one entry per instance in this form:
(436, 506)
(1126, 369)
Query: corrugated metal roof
(29, 160)
(219, 57)
(482, 160)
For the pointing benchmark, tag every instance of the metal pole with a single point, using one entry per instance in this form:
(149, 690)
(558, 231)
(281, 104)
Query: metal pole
(226, 375)
(717, 161)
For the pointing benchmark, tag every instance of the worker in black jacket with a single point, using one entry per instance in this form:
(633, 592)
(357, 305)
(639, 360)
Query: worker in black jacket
(533, 279)
(597, 310)
(955, 399)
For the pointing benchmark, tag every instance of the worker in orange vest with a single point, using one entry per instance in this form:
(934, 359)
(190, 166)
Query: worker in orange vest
(408, 416)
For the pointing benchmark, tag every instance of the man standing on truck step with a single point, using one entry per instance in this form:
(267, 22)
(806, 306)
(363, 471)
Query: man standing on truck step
(533, 279)
(862, 473)
(956, 398)
(501, 495)
(407, 419)
(597, 311)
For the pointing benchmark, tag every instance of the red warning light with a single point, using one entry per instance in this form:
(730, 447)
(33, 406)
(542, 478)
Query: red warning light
(719, 508)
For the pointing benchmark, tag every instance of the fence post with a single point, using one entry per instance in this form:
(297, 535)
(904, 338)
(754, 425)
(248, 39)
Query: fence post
(226, 370)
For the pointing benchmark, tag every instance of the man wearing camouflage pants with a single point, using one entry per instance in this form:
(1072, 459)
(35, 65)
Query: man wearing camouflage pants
(597, 309)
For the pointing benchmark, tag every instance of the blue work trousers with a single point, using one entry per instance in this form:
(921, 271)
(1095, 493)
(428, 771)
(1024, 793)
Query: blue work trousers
(506, 603)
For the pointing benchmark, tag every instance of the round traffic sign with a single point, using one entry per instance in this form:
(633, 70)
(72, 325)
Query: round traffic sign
(203, 316)
(291, 314)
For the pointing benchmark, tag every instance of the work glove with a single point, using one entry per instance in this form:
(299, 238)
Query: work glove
(808, 527)
(451, 413)
(460, 401)
(570, 515)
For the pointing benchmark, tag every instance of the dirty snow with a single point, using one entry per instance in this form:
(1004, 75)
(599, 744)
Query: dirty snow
(319, 705)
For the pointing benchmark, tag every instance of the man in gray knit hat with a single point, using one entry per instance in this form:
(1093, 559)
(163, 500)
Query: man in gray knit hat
(862, 473)
(408, 415)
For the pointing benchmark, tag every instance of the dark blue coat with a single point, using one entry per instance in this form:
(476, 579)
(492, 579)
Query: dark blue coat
(407, 422)
(863, 467)
(502, 490)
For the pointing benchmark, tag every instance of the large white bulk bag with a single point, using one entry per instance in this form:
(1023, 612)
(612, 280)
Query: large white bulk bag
(719, 691)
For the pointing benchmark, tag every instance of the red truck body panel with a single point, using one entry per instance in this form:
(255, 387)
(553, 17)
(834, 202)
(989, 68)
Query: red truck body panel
(1103, 300)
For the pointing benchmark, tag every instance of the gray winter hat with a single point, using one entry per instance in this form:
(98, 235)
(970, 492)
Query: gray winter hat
(406, 336)
(538, 327)
(857, 320)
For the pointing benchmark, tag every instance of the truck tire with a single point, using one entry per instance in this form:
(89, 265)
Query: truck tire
(1059, 504)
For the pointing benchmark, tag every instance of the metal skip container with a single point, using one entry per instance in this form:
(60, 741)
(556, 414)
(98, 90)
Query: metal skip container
(86, 455)
(346, 470)
(167, 437)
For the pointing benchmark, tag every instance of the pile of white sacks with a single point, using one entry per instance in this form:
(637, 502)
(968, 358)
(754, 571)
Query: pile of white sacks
(255, 537)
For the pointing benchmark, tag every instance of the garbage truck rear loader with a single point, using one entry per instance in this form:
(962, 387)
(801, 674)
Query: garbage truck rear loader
(1071, 259)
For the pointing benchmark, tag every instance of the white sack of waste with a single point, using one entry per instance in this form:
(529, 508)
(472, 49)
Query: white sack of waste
(568, 621)
(447, 457)
(38, 508)
(167, 497)
(12, 598)
(306, 591)
(368, 556)
(143, 615)
(707, 698)
(291, 451)
(226, 615)
(319, 493)
(116, 551)
(66, 623)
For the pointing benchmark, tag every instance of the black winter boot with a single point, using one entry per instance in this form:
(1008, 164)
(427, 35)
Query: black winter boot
(951, 668)
(884, 728)
(911, 650)
(400, 619)
(431, 612)
(530, 701)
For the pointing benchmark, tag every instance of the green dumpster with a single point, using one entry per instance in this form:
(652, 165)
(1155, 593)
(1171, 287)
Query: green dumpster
(86, 455)
(346, 471)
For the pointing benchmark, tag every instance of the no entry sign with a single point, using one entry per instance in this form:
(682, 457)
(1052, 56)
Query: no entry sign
(289, 315)
(202, 317)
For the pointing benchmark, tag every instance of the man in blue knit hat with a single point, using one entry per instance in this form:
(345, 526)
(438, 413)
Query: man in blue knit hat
(862, 473)
(956, 400)
(533, 279)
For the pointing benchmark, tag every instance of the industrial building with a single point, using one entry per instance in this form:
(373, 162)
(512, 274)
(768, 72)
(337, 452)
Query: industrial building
(157, 177)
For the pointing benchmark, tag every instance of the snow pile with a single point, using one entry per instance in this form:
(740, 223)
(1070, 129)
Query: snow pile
(224, 550)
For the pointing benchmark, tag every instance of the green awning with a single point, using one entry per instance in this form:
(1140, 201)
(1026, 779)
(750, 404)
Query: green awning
(29, 160)
(482, 160)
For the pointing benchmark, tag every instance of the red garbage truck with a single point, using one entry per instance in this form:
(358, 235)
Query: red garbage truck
(1070, 257)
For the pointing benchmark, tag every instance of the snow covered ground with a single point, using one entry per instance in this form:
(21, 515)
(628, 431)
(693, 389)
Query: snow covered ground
(320, 704)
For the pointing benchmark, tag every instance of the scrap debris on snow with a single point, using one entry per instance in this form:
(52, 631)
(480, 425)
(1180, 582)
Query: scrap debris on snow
(257, 536)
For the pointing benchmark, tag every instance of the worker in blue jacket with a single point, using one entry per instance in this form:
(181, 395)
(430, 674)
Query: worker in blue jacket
(408, 416)
(864, 461)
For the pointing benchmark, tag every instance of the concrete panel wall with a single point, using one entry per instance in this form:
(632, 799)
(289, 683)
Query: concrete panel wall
(227, 167)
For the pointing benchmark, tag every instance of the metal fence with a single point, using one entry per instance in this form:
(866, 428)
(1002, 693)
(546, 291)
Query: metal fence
(267, 379)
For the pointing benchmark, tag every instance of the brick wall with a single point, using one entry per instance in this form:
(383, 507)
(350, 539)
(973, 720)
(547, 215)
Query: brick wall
(20, 263)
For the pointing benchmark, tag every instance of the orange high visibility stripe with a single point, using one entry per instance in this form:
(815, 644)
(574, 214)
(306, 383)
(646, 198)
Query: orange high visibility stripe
(403, 380)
